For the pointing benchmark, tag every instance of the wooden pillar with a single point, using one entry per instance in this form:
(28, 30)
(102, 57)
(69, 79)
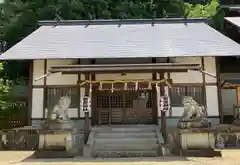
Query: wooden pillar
(45, 95)
(30, 90)
(163, 114)
(93, 97)
(238, 95)
(154, 97)
(204, 94)
(219, 91)
(89, 92)
(79, 91)
(86, 114)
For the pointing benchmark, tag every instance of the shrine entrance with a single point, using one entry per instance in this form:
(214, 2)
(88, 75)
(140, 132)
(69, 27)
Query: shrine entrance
(125, 101)
(124, 107)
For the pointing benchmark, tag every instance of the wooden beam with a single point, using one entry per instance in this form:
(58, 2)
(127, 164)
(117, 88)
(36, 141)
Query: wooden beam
(119, 68)
(122, 65)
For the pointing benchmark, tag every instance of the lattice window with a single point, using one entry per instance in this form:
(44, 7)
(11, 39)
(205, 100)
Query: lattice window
(120, 99)
(103, 99)
(116, 101)
(54, 94)
(178, 92)
(149, 102)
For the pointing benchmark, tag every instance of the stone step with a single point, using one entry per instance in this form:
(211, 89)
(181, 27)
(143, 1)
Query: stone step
(122, 147)
(123, 129)
(127, 126)
(126, 153)
(126, 135)
(127, 140)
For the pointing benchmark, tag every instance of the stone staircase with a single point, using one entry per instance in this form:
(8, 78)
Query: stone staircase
(124, 141)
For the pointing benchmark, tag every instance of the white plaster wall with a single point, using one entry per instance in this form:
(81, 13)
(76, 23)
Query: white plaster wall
(210, 67)
(128, 76)
(58, 78)
(229, 98)
(177, 111)
(38, 71)
(212, 100)
(73, 112)
(190, 76)
(37, 102)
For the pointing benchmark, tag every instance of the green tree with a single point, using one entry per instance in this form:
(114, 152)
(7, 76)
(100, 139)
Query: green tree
(6, 103)
(210, 10)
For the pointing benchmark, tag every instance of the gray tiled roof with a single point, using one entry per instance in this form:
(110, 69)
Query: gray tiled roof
(104, 40)
(233, 20)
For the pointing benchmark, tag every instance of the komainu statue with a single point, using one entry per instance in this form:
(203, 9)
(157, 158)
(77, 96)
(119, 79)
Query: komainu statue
(58, 116)
(61, 108)
(194, 115)
(68, 141)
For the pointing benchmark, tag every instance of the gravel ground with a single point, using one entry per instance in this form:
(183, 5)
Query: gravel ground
(231, 157)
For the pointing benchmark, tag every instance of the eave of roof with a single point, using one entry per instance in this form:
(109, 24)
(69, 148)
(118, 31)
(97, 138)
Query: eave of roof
(121, 21)
(233, 20)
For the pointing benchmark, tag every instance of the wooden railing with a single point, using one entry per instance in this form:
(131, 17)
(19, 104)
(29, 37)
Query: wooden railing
(14, 120)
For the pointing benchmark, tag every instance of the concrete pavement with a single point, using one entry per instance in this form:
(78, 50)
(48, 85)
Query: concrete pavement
(230, 157)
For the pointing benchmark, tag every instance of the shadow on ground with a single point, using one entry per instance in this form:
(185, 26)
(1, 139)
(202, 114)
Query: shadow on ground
(83, 159)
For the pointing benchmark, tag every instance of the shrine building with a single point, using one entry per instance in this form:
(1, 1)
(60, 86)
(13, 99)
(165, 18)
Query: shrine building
(125, 67)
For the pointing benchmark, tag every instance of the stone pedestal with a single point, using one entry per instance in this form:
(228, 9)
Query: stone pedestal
(194, 124)
(227, 136)
(59, 139)
(193, 142)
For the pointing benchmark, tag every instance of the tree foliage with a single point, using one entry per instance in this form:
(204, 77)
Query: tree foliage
(210, 10)
(7, 105)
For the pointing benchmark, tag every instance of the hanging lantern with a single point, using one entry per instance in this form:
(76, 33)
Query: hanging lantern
(165, 103)
(86, 104)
